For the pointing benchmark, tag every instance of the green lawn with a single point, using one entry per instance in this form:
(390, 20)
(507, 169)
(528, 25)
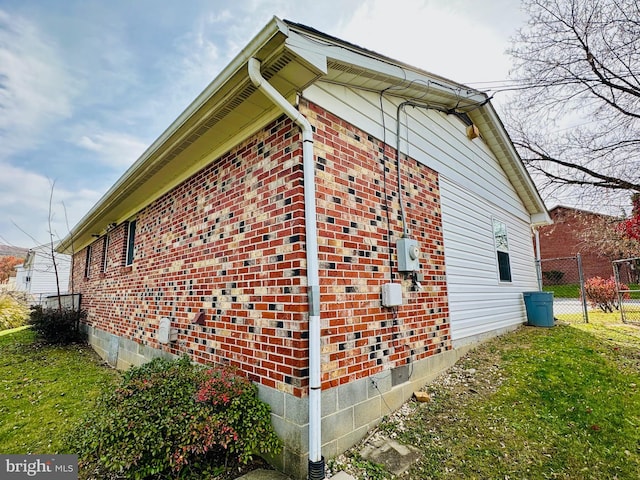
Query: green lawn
(561, 402)
(563, 291)
(538, 403)
(44, 390)
(572, 290)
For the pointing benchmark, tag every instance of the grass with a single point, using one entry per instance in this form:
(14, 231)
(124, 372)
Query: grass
(44, 390)
(572, 290)
(538, 403)
(13, 313)
(609, 321)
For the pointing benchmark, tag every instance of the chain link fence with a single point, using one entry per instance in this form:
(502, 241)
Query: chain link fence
(627, 276)
(564, 277)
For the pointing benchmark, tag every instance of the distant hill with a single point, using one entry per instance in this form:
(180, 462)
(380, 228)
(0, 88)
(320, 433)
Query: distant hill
(9, 251)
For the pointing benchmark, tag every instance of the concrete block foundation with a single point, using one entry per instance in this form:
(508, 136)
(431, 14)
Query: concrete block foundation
(348, 411)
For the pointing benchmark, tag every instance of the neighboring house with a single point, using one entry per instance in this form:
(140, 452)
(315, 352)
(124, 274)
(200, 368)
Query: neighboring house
(10, 284)
(268, 242)
(37, 277)
(563, 240)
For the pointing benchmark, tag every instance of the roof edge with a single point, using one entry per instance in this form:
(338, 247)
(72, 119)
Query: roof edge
(271, 29)
(529, 195)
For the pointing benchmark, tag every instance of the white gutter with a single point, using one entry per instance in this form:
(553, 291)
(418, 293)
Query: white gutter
(146, 161)
(316, 462)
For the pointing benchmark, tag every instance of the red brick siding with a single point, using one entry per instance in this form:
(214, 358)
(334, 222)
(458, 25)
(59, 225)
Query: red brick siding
(562, 239)
(359, 337)
(230, 241)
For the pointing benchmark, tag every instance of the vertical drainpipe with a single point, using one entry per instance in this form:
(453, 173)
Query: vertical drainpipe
(316, 461)
(536, 233)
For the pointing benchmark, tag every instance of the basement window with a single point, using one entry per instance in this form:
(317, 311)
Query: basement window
(87, 263)
(131, 238)
(105, 248)
(502, 250)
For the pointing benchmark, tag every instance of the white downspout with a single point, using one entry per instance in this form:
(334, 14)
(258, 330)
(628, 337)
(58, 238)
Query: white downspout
(316, 462)
(536, 233)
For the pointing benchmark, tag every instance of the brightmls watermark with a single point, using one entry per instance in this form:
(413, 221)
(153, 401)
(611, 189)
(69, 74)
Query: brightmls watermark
(40, 467)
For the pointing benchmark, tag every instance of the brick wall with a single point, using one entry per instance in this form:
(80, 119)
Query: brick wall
(562, 239)
(360, 337)
(230, 241)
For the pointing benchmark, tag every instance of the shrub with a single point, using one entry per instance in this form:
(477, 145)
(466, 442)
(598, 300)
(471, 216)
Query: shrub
(602, 293)
(13, 313)
(57, 326)
(234, 397)
(553, 277)
(169, 418)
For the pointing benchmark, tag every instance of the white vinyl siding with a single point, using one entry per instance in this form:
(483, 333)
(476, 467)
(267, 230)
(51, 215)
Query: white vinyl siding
(474, 189)
(437, 140)
(43, 277)
(41, 273)
(478, 302)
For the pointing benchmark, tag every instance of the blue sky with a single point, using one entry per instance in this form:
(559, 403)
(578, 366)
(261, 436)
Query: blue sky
(87, 85)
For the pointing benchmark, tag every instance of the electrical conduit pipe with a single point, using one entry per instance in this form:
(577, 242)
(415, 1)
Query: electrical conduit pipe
(316, 461)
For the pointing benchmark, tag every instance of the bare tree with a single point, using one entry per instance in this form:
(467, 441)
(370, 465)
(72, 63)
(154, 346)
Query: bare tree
(73, 256)
(51, 244)
(602, 233)
(575, 118)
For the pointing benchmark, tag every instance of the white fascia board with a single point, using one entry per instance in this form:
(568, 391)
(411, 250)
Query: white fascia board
(307, 50)
(146, 160)
(541, 219)
(519, 176)
(395, 71)
(413, 78)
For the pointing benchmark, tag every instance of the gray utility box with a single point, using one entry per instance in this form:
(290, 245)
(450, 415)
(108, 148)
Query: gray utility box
(408, 255)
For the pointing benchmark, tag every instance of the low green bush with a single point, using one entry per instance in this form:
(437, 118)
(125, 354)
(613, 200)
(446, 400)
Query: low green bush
(169, 418)
(57, 326)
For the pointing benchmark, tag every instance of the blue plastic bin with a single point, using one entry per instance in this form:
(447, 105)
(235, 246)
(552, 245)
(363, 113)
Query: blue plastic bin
(539, 306)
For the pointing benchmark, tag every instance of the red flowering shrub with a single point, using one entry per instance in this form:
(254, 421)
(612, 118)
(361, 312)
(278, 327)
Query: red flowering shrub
(221, 386)
(602, 293)
(234, 398)
(631, 228)
(172, 419)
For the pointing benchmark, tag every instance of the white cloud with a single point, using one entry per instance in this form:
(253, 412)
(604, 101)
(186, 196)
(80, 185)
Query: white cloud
(442, 38)
(35, 89)
(113, 149)
(220, 17)
(26, 195)
(89, 144)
